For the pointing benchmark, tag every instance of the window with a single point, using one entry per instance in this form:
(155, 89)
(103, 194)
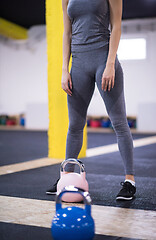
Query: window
(132, 49)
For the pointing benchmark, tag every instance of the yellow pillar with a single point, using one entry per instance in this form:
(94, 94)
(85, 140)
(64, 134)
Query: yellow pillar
(12, 30)
(58, 112)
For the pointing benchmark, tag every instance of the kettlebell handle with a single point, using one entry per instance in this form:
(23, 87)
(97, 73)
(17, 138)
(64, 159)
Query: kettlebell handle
(73, 161)
(72, 189)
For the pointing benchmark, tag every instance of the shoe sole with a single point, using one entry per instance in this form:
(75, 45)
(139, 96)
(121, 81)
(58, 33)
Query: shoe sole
(124, 198)
(51, 193)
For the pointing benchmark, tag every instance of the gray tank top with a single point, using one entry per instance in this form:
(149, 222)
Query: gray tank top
(90, 24)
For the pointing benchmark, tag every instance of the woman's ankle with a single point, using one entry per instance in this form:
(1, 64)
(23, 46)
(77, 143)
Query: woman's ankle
(130, 177)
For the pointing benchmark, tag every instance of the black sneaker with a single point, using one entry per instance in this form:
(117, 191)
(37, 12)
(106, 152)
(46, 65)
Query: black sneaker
(52, 190)
(127, 191)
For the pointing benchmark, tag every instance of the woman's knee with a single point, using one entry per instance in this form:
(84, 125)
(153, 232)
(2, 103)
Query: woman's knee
(76, 126)
(120, 127)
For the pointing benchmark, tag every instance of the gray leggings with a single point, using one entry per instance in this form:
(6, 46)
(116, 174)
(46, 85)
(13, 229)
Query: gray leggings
(87, 68)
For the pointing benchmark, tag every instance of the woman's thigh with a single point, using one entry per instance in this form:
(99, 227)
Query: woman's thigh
(83, 85)
(114, 99)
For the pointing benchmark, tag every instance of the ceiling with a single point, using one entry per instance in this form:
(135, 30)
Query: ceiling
(32, 12)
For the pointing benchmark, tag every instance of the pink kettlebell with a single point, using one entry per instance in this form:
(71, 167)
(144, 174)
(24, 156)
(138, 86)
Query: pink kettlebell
(75, 179)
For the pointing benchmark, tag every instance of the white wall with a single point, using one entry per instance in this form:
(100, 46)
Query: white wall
(23, 74)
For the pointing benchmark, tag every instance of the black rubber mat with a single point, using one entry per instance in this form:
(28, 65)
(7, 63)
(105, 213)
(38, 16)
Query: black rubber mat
(20, 146)
(9, 231)
(104, 174)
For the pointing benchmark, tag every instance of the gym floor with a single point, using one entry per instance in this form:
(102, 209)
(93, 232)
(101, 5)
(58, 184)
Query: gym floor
(26, 173)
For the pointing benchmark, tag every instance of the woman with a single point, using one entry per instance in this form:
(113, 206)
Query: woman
(94, 60)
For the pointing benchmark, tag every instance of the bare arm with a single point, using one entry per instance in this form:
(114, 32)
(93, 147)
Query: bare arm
(66, 78)
(115, 21)
(66, 36)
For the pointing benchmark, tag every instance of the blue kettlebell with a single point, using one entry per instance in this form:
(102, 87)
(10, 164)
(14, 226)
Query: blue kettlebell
(73, 222)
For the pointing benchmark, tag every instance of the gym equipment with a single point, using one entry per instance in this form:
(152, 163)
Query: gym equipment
(130, 123)
(3, 119)
(105, 122)
(88, 122)
(76, 179)
(10, 122)
(22, 121)
(95, 123)
(73, 222)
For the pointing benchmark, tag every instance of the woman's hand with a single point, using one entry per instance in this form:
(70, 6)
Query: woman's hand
(108, 77)
(66, 82)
